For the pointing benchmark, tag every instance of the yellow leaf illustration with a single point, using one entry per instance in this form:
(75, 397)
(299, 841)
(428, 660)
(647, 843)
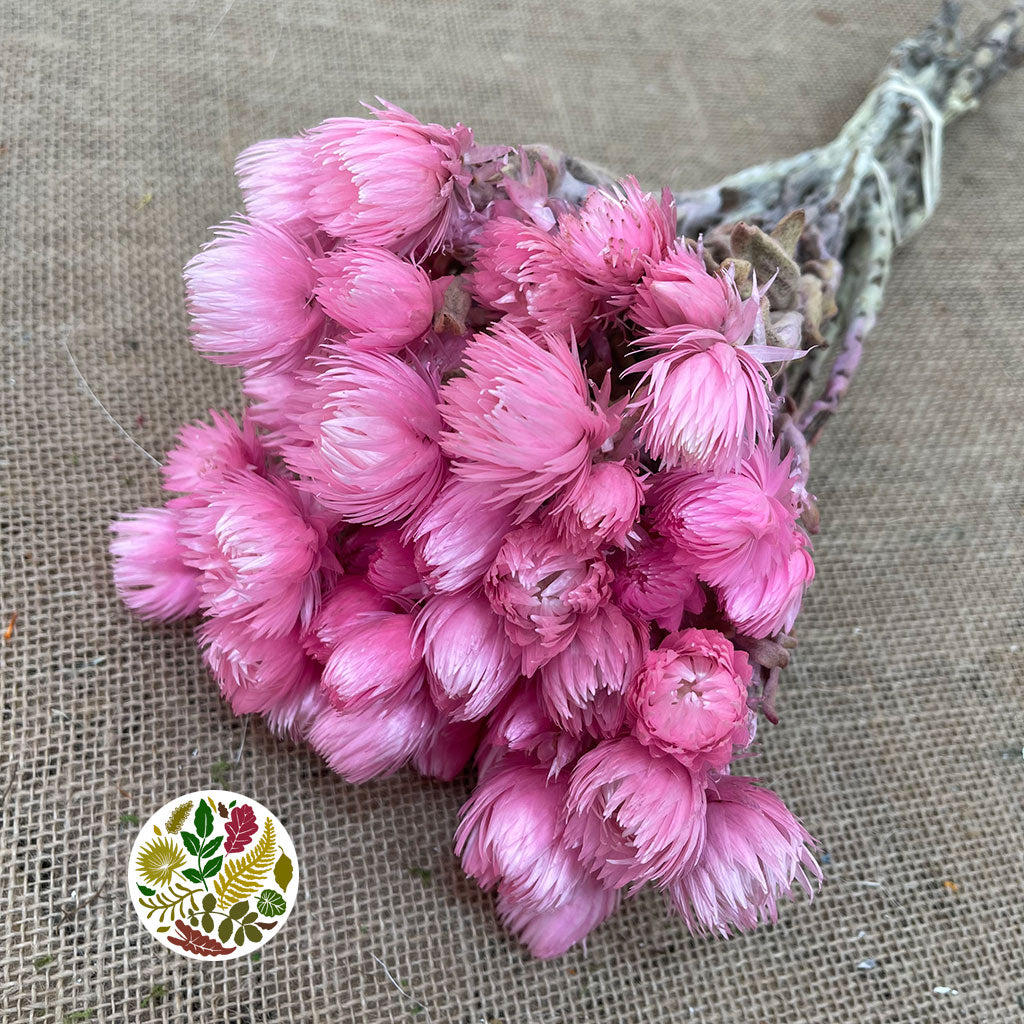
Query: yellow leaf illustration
(240, 877)
(159, 859)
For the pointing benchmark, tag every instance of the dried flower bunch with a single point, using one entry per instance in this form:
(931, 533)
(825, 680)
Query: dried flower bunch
(521, 480)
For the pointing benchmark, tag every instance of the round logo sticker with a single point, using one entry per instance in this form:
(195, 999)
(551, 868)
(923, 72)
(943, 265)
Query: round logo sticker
(213, 874)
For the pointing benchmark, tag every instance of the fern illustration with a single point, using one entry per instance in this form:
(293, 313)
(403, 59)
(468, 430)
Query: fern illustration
(170, 901)
(242, 876)
(178, 816)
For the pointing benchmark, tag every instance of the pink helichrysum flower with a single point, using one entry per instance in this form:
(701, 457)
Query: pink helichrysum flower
(275, 177)
(374, 663)
(392, 571)
(756, 852)
(275, 399)
(376, 741)
(205, 452)
(256, 672)
(690, 698)
(634, 816)
(543, 588)
(393, 181)
(380, 300)
(703, 403)
(522, 419)
(739, 532)
(447, 750)
(681, 290)
(522, 726)
(510, 835)
(458, 536)
(520, 272)
(583, 687)
(150, 572)
(250, 295)
(350, 598)
(372, 428)
(259, 551)
(472, 663)
(613, 238)
(654, 582)
(552, 932)
(602, 508)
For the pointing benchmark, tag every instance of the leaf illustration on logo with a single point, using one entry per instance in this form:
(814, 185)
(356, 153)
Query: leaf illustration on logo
(194, 941)
(171, 901)
(242, 876)
(271, 903)
(159, 859)
(240, 829)
(203, 820)
(145, 891)
(178, 816)
(222, 810)
(283, 871)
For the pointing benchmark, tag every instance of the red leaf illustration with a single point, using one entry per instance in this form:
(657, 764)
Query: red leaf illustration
(192, 940)
(240, 829)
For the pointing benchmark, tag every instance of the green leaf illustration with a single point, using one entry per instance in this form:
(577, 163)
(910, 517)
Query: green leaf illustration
(271, 903)
(211, 847)
(178, 816)
(251, 933)
(240, 937)
(224, 931)
(192, 843)
(211, 867)
(203, 820)
(164, 928)
(145, 891)
(209, 902)
(283, 872)
(177, 900)
(207, 922)
(243, 876)
(239, 910)
(192, 875)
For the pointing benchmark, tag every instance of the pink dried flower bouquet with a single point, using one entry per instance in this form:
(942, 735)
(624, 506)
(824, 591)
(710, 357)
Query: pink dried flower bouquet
(521, 479)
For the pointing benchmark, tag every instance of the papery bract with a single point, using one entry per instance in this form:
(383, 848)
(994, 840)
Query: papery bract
(447, 749)
(755, 853)
(653, 581)
(205, 452)
(602, 508)
(392, 570)
(350, 598)
(275, 177)
(634, 816)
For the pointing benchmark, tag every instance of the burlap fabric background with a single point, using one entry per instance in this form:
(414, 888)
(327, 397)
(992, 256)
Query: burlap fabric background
(903, 714)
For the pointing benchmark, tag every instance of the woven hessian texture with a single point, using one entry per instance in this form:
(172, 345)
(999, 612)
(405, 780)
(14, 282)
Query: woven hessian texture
(902, 714)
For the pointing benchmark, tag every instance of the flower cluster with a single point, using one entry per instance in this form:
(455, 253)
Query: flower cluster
(506, 491)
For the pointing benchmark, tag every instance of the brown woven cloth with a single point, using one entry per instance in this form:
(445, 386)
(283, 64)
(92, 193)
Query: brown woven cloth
(902, 716)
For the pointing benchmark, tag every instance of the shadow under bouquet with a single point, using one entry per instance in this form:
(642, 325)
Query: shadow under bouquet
(521, 481)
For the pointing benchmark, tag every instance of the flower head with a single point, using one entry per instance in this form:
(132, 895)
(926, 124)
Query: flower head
(150, 571)
(543, 589)
(690, 698)
(374, 664)
(393, 182)
(250, 295)
(522, 418)
(756, 853)
(510, 835)
(472, 664)
(259, 550)
(275, 176)
(739, 532)
(382, 302)
(583, 687)
(371, 431)
(634, 817)
(458, 536)
(654, 582)
(349, 599)
(206, 452)
(520, 271)
(615, 236)
(375, 741)
(602, 508)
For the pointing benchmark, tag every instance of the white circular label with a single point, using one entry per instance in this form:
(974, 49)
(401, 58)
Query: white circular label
(213, 875)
